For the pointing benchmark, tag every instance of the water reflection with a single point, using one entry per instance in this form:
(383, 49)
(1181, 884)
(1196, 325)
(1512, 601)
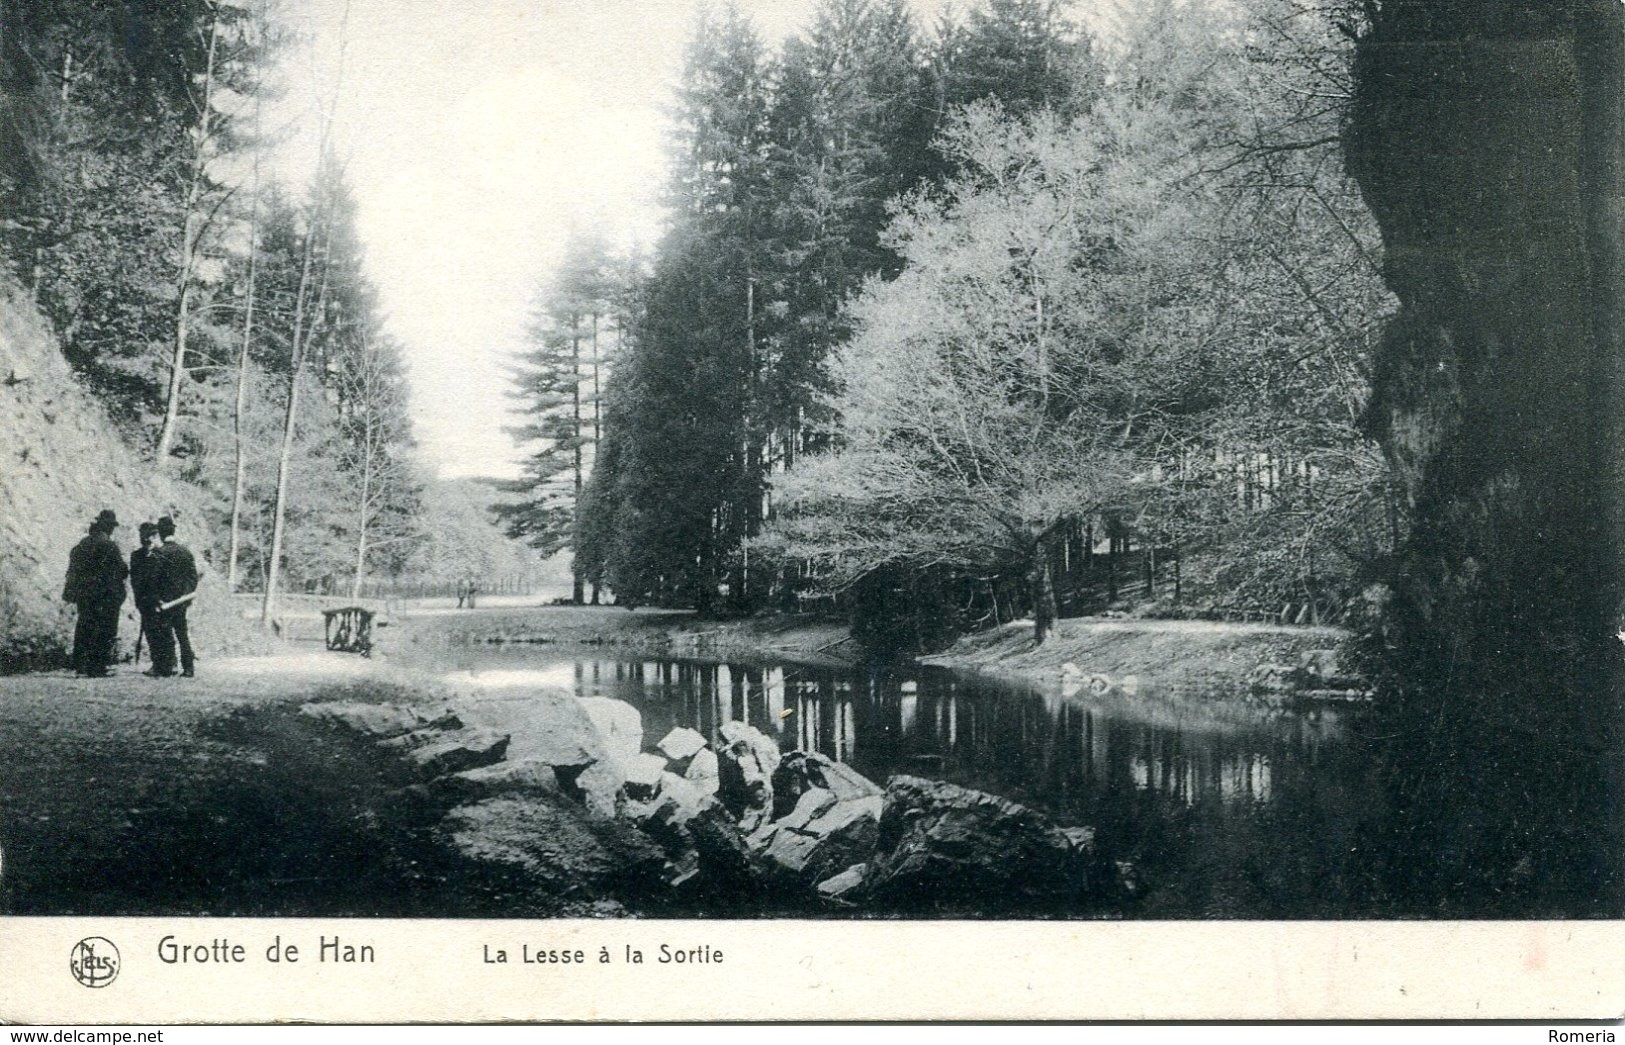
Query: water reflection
(1234, 813)
(1051, 750)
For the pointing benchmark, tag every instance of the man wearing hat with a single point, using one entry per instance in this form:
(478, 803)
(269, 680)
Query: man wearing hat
(142, 586)
(95, 584)
(174, 583)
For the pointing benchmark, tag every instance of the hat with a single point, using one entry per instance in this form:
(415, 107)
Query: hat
(166, 526)
(147, 529)
(106, 520)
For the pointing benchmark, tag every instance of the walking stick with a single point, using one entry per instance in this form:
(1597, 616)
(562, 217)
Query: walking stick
(172, 603)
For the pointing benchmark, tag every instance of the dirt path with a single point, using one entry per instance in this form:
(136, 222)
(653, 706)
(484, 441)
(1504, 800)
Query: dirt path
(139, 796)
(213, 795)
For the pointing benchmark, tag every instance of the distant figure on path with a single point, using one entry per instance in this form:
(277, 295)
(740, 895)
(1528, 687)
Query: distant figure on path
(174, 576)
(462, 593)
(95, 584)
(473, 589)
(143, 585)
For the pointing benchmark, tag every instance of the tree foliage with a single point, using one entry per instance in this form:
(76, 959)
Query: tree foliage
(559, 381)
(128, 129)
(1126, 314)
(785, 168)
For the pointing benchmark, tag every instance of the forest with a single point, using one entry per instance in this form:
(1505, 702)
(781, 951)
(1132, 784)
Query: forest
(1285, 311)
(1273, 312)
(223, 318)
(942, 310)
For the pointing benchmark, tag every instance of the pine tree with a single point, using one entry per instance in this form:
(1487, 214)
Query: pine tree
(693, 454)
(559, 382)
(851, 133)
(1025, 54)
(783, 176)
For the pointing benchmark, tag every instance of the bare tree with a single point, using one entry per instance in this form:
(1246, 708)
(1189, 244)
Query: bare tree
(376, 427)
(305, 320)
(239, 414)
(195, 222)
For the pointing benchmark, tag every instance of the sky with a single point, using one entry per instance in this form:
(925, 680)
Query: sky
(474, 132)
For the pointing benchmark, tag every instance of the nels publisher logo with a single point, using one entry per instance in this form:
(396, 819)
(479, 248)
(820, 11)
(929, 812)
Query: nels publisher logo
(94, 961)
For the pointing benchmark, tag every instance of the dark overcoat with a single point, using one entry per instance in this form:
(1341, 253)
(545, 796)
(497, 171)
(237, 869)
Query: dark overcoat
(174, 572)
(96, 572)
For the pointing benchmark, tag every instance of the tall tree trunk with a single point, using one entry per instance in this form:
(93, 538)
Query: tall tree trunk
(1487, 140)
(362, 509)
(304, 328)
(239, 413)
(301, 338)
(1043, 581)
(190, 235)
(578, 590)
(748, 504)
(597, 394)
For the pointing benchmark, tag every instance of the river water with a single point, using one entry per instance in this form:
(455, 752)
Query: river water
(1226, 811)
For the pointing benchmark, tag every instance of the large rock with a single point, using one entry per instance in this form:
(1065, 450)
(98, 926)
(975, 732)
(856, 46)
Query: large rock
(767, 751)
(949, 849)
(555, 729)
(745, 765)
(559, 850)
(681, 745)
(431, 733)
(643, 773)
(499, 780)
(801, 771)
(619, 724)
(700, 838)
(376, 721)
(528, 776)
(459, 751)
(703, 771)
(809, 805)
(597, 786)
(822, 835)
(843, 885)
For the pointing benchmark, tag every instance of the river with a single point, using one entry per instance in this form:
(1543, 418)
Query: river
(1226, 811)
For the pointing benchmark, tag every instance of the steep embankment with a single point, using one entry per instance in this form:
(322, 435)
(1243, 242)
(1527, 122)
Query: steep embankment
(61, 461)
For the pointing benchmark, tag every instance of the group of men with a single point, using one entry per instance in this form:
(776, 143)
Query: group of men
(163, 577)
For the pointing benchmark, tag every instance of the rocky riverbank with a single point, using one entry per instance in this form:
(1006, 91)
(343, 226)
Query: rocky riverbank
(578, 803)
(316, 783)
